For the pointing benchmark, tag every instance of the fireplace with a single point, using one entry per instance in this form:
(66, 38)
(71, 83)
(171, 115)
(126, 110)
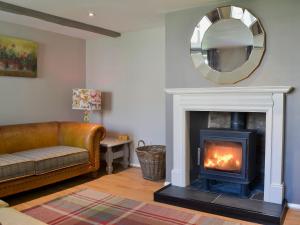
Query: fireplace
(268, 100)
(189, 103)
(227, 159)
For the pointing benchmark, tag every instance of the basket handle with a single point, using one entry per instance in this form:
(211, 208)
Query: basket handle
(141, 141)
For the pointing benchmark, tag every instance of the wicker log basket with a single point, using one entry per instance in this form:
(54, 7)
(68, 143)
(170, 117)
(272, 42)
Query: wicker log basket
(152, 159)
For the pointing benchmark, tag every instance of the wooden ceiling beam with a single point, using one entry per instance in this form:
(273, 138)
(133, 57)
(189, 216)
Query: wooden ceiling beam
(11, 8)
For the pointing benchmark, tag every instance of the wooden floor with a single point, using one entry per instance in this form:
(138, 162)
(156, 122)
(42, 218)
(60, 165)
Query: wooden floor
(128, 183)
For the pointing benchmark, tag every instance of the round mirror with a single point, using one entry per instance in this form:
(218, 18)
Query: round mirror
(227, 44)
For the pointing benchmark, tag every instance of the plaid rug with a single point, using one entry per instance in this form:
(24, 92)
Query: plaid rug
(91, 207)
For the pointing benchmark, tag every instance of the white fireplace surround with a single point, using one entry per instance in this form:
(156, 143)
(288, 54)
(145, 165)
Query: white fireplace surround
(270, 100)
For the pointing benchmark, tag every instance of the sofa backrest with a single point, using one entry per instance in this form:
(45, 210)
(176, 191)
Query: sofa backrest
(15, 138)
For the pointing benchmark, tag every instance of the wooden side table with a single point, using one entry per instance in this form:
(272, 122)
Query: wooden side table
(112, 148)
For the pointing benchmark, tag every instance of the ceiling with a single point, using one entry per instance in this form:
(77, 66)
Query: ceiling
(117, 15)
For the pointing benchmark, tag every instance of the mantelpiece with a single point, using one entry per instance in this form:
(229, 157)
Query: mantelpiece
(269, 99)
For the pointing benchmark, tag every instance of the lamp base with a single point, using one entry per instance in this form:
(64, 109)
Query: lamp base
(86, 117)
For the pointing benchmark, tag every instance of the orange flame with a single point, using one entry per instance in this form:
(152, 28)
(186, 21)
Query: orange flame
(223, 155)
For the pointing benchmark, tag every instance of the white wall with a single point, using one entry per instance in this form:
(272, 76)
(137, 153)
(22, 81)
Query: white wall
(61, 67)
(131, 72)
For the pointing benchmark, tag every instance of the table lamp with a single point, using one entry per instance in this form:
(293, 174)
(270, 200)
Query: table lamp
(87, 100)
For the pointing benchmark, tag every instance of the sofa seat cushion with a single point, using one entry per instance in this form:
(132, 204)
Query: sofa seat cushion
(54, 158)
(13, 166)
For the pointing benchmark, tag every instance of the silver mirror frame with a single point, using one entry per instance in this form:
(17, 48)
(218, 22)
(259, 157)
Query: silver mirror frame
(245, 70)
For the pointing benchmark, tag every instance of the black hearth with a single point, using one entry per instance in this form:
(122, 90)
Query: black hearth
(227, 157)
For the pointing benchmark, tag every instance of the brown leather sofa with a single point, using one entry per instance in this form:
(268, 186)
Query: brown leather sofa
(34, 155)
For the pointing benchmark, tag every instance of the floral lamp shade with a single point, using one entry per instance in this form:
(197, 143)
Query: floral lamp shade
(86, 99)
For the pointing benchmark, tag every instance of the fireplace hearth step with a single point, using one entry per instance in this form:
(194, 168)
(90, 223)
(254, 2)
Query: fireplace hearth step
(240, 208)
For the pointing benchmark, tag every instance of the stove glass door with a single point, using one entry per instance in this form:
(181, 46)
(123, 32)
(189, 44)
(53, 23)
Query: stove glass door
(224, 156)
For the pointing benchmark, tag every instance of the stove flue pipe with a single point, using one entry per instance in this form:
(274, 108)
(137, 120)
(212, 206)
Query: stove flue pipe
(238, 120)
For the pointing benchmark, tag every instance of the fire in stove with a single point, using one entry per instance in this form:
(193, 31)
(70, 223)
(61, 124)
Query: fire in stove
(223, 155)
(227, 156)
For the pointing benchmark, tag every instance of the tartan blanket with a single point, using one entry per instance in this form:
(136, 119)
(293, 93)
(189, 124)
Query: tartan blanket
(88, 207)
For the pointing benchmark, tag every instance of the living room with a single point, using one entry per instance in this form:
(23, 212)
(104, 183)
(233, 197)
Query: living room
(149, 112)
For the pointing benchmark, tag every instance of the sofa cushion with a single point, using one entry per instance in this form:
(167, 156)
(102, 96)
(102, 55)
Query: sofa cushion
(13, 166)
(54, 158)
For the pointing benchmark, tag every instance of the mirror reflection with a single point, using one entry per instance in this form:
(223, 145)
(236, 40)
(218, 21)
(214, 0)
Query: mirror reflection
(225, 46)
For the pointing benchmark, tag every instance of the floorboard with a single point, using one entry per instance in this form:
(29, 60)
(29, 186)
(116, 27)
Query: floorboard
(127, 183)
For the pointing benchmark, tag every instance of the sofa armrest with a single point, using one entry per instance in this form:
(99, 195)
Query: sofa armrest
(82, 135)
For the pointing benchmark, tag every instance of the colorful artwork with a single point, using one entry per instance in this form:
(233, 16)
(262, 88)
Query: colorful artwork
(18, 57)
(86, 99)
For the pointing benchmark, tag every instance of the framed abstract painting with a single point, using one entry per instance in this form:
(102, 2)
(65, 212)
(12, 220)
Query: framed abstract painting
(18, 57)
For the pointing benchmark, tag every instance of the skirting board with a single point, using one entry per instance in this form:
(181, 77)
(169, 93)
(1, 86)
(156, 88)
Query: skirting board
(294, 206)
(135, 165)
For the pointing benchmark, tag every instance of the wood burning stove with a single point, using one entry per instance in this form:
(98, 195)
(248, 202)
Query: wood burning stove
(228, 155)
